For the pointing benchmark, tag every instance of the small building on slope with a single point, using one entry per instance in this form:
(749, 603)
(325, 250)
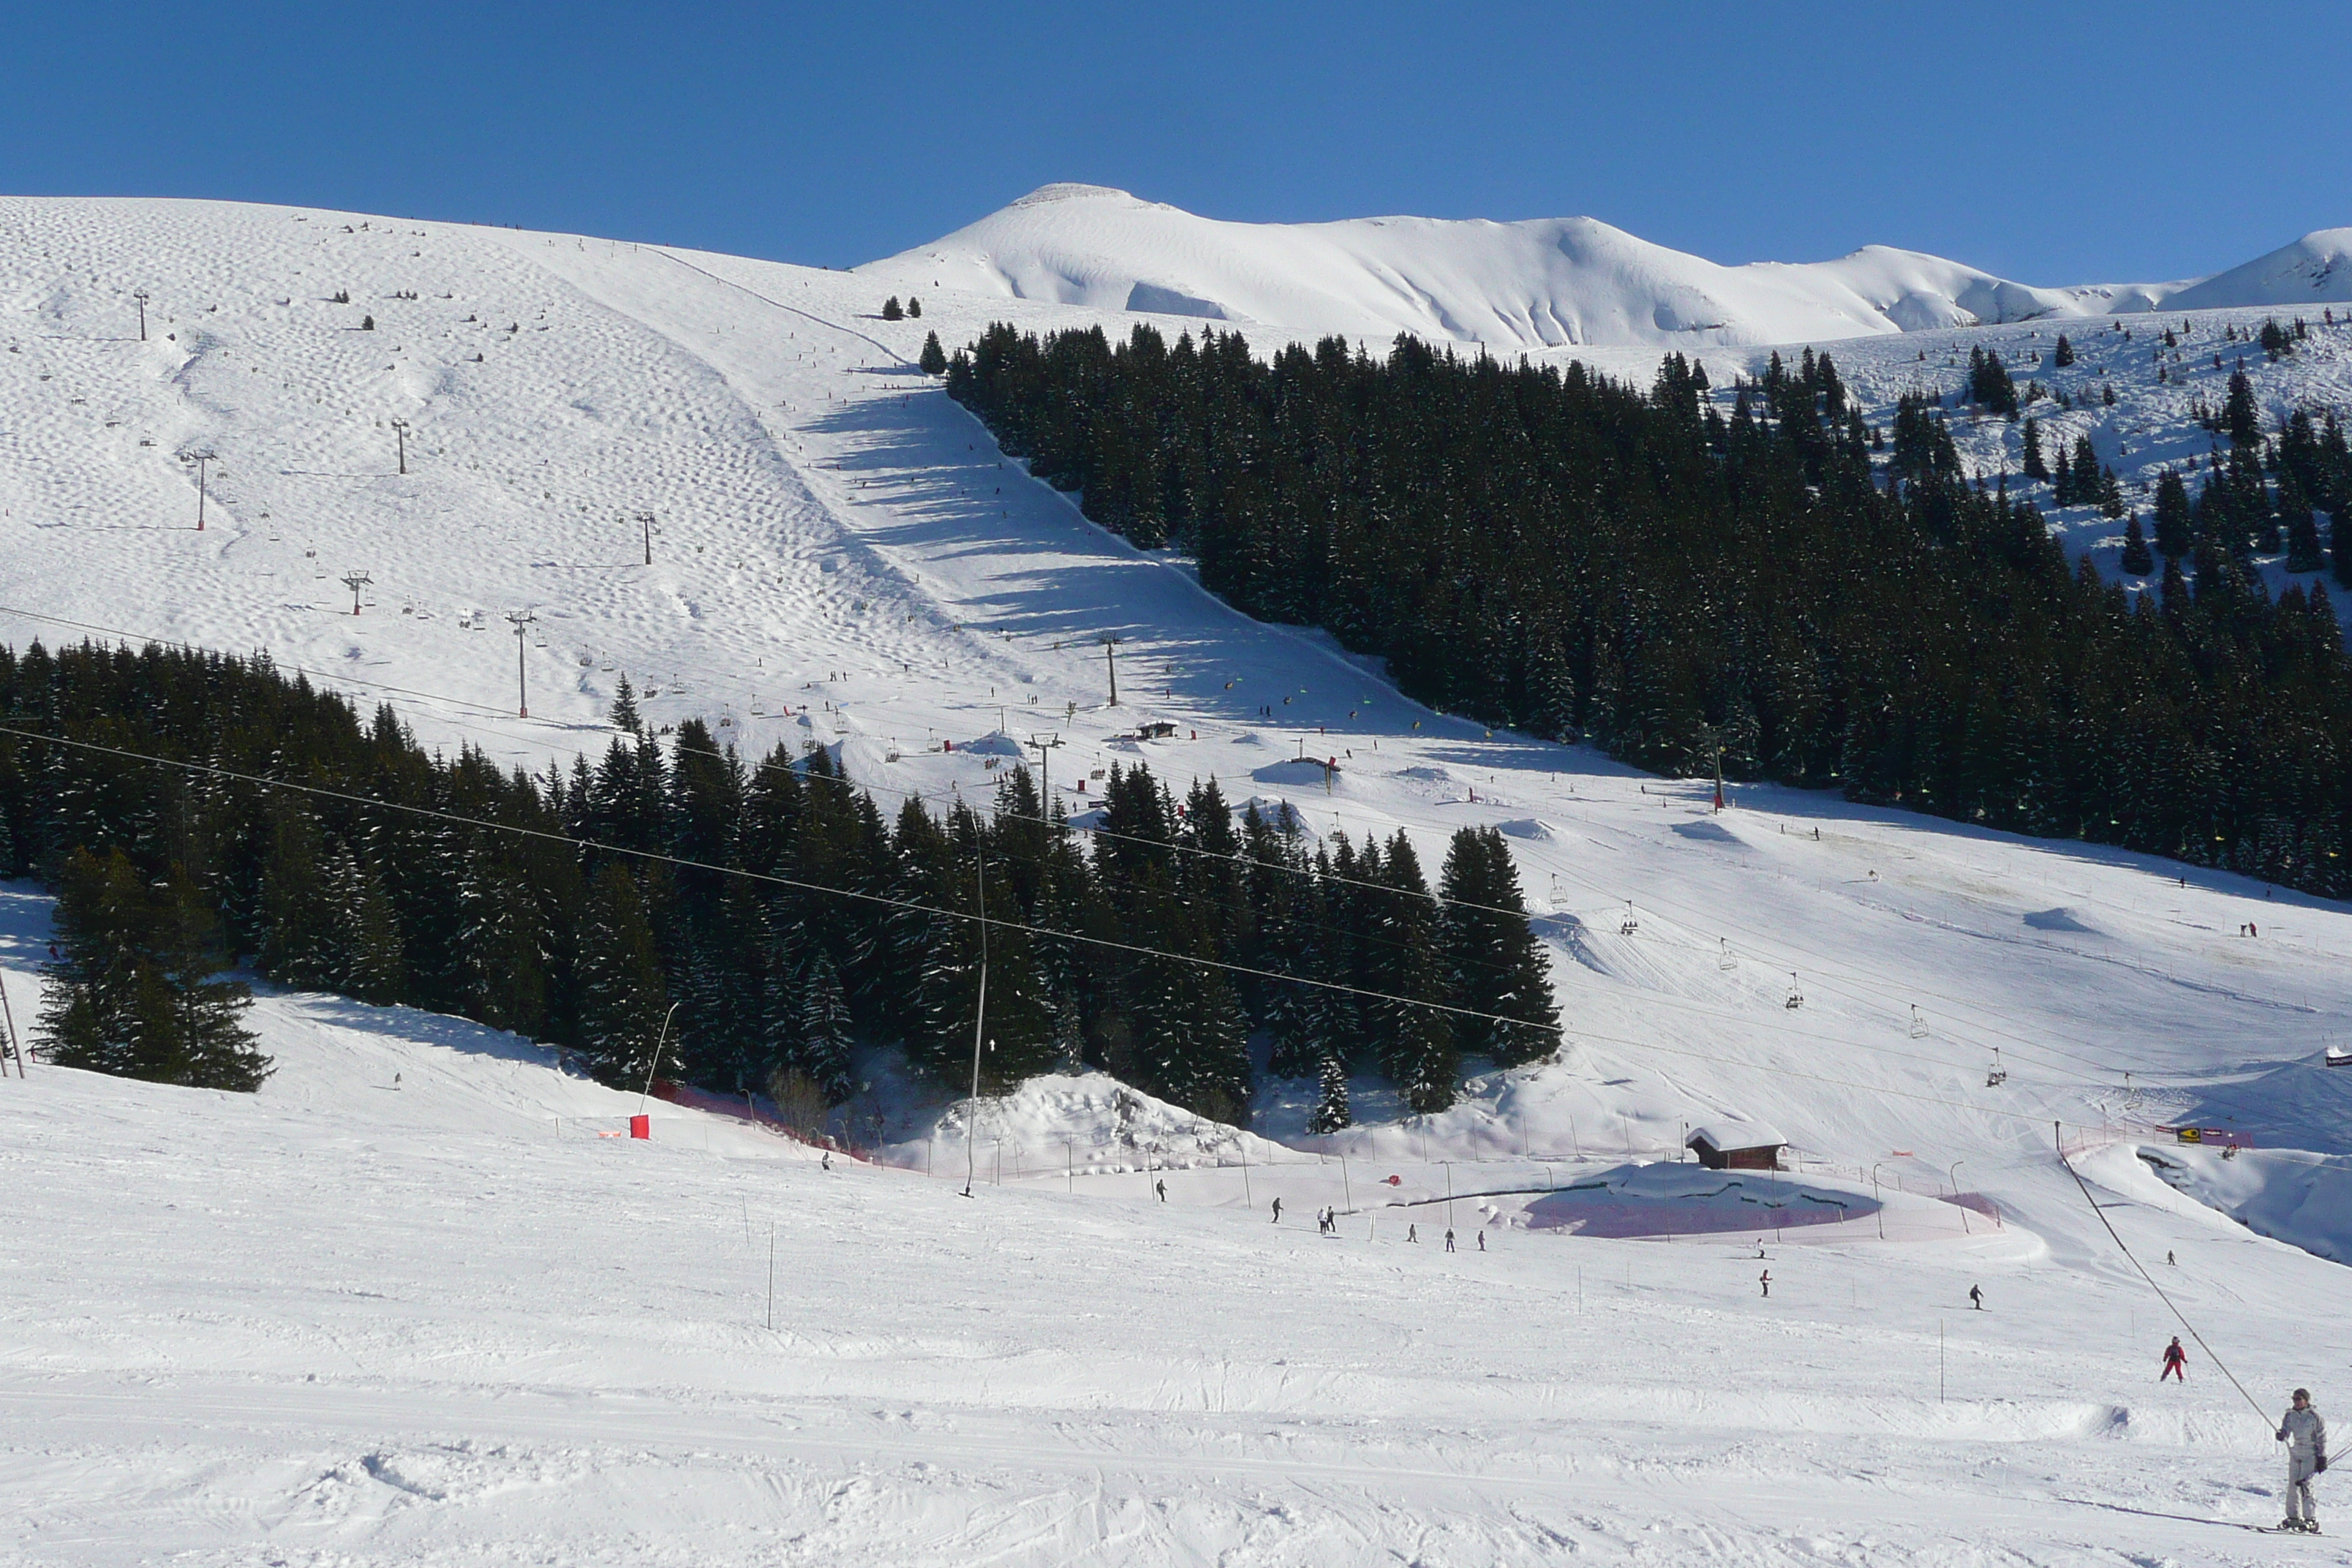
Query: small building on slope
(1736, 1146)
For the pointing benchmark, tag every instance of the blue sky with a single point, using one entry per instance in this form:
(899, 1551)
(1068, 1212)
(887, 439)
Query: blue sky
(2055, 142)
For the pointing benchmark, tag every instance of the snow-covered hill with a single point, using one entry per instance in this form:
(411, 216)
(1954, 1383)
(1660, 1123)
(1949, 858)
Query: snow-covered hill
(553, 1349)
(1542, 283)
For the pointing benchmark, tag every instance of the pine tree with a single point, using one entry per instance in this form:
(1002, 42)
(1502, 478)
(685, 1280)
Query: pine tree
(1494, 964)
(1331, 1103)
(135, 990)
(891, 311)
(624, 716)
(914, 307)
(2035, 466)
(933, 359)
(2138, 561)
(622, 998)
(2241, 417)
(2064, 355)
(1416, 1041)
(2174, 533)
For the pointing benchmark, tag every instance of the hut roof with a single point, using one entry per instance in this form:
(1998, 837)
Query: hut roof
(1728, 1135)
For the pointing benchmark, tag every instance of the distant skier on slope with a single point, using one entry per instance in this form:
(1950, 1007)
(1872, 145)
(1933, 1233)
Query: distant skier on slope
(1976, 1296)
(2305, 1436)
(1278, 1211)
(1765, 1279)
(2175, 1362)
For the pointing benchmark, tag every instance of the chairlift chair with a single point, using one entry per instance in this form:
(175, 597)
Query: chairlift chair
(1997, 1075)
(1796, 997)
(1726, 961)
(1631, 923)
(1919, 1024)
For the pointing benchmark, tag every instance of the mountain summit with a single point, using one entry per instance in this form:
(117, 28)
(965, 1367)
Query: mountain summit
(1538, 283)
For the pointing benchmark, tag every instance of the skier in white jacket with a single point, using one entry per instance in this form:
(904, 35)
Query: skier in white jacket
(2305, 1436)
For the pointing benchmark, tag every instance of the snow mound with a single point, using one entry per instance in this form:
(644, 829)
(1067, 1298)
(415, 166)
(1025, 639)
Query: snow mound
(1529, 827)
(2288, 1195)
(2061, 918)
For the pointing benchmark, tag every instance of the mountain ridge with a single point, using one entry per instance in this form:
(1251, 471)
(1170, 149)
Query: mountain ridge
(1529, 284)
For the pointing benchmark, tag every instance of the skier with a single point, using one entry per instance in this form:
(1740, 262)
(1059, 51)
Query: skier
(2170, 1260)
(1765, 1279)
(1161, 1188)
(1449, 1239)
(1976, 1296)
(1482, 1241)
(2176, 1361)
(827, 1160)
(1278, 1211)
(2305, 1436)
(1412, 1232)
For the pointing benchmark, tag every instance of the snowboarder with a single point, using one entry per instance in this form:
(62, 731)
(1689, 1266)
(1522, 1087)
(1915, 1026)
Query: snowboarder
(1278, 1211)
(1412, 1232)
(2305, 1436)
(1161, 1188)
(1449, 1239)
(2175, 1362)
(1765, 1279)
(1976, 1296)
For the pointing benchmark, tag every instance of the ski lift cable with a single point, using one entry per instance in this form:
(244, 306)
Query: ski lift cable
(2059, 1143)
(913, 906)
(344, 678)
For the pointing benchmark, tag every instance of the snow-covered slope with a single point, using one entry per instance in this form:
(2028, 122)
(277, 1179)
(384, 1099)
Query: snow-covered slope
(551, 1348)
(1544, 282)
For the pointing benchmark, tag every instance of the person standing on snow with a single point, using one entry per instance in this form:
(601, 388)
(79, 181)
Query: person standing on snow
(2305, 1436)
(2175, 1362)
(1765, 1279)
(1161, 1188)
(1976, 1296)
(1278, 1211)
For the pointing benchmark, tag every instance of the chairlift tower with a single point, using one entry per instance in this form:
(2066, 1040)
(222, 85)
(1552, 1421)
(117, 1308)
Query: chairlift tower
(1045, 746)
(1110, 663)
(644, 520)
(355, 581)
(519, 620)
(400, 435)
(200, 459)
(142, 296)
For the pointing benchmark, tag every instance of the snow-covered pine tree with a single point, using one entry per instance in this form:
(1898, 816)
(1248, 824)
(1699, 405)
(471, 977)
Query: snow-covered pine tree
(933, 359)
(1331, 1112)
(623, 997)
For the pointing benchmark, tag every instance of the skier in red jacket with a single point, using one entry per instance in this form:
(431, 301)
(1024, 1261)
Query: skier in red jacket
(2175, 1362)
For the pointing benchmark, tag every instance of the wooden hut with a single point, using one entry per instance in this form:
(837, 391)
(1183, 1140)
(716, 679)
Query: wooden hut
(1736, 1146)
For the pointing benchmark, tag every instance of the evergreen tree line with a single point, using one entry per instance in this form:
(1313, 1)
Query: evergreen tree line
(391, 890)
(1545, 548)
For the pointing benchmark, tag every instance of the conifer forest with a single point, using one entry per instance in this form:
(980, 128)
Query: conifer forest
(776, 905)
(1780, 586)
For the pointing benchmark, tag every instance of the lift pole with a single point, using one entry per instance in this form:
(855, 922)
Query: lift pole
(519, 619)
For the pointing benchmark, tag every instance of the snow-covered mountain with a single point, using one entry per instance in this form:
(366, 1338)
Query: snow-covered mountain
(444, 1323)
(1545, 282)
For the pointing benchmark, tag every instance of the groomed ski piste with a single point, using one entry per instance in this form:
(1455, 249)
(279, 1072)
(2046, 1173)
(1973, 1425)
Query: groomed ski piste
(417, 1301)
